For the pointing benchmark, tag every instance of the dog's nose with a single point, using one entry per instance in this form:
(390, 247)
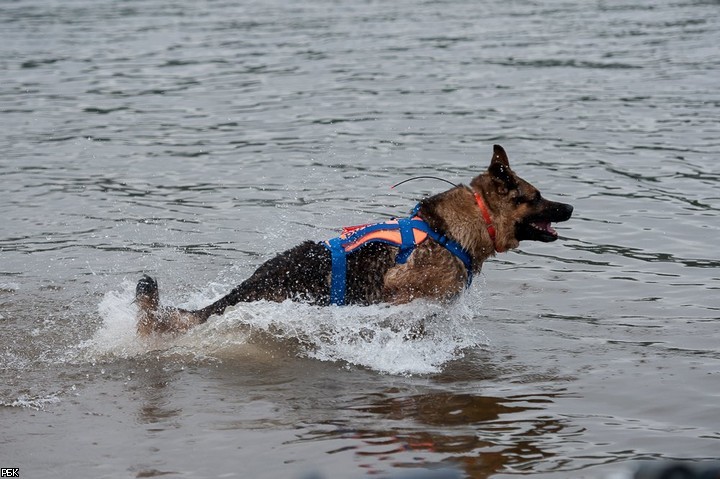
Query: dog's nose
(560, 211)
(566, 211)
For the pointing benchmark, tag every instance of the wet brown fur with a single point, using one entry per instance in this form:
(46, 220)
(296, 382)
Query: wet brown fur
(431, 272)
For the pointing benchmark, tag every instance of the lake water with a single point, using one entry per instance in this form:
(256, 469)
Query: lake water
(192, 140)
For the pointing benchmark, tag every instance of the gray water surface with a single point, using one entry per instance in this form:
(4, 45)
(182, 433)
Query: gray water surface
(192, 140)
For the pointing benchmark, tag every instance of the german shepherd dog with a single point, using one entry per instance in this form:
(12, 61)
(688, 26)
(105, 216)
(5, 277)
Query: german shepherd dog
(497, 211)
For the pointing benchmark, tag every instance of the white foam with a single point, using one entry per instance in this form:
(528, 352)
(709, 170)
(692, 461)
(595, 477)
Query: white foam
(383, 338)
(380, 337)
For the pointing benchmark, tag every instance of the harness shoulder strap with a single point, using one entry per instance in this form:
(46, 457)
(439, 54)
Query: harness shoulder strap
(408, 241)
(338, 270)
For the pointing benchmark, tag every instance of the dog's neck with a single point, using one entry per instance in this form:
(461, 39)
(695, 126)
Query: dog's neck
(487, 217)
(455, 213)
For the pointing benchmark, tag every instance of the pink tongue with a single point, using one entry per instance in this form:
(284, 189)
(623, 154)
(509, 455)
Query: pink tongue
(545, 225)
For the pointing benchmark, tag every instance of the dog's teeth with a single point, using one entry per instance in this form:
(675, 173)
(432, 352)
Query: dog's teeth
(544, 226)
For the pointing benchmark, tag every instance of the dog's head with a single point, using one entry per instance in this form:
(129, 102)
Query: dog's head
(518, 210)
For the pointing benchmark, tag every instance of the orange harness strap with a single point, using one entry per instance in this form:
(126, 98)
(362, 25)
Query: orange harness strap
(391, 236)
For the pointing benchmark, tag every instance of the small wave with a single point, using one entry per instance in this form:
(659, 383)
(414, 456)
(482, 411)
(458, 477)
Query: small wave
(565, 63)
(38, 403)
(9, 287)
(417, 338)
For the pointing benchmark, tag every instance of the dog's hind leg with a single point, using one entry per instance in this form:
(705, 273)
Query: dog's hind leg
(147, 297)
(153, 318)
(300, 273)
(237, 295)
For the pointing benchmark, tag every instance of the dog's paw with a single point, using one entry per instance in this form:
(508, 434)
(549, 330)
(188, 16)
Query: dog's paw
(147, 298)
(146, 286)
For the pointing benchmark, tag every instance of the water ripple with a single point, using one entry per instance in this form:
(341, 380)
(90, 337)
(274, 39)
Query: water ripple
(193, 140)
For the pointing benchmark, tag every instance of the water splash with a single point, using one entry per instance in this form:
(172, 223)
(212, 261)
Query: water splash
(116, 336)
(417, 338)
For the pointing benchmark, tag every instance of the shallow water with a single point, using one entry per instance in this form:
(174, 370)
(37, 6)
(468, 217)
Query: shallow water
(193, 140)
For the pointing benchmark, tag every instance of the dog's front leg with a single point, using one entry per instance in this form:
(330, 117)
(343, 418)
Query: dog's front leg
(406, 282)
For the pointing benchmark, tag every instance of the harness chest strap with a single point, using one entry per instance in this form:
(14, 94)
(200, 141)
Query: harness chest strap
(405, 233)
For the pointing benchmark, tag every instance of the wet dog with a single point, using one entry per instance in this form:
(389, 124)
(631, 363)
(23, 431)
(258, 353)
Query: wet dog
(431, 255)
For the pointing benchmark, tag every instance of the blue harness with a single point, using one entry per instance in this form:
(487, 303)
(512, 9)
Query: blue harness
(352, 240)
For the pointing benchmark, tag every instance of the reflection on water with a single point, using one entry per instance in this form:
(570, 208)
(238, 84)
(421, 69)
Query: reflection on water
(152, 389)
(482, 435)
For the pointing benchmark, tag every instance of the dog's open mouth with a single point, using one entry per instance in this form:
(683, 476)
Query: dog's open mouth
(544, 228)
(538, 227)
(537, 230)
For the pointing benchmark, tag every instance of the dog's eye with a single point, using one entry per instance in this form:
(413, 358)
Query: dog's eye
(528, 200)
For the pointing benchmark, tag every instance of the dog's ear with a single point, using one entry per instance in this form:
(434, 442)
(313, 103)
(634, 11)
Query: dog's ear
(500, 169)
